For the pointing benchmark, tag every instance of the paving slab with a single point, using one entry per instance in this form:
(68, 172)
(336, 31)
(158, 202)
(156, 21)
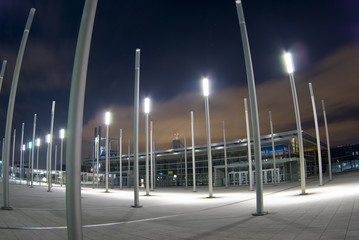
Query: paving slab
(330, 211)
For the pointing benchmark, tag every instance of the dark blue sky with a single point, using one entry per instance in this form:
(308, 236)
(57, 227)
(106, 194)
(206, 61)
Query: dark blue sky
(180, 41)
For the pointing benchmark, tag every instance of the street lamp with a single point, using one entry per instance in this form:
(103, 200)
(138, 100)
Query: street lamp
(290, 70)
(29, 146)
(48, 166)
(147, 111)
(37, 143)
(62, 136)
(107, 122)
(23, 157)
(205, 86)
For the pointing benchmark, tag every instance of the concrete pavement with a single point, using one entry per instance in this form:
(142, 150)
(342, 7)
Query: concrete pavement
(326, 212)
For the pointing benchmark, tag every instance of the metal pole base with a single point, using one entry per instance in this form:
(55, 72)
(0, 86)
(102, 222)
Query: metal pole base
(7, 208)
(49, 191)
(147, 194)
(134, 206)
(303, 194)
(259, 214)
(211, 197)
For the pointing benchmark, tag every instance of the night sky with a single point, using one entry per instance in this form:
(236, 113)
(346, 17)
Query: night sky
(181, 42)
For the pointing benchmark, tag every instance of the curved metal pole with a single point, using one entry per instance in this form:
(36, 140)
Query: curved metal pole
(209, 148)
(225, 155)
(273, 147)
(75, 120)
(317, 135)
(120, 158)
(135, 129)
(254, 111)
(32, 151)
(249, 150)
(328, 144)
(13, 155)
(193, 155)
(3, 67)
(10, 112)
(49, 180)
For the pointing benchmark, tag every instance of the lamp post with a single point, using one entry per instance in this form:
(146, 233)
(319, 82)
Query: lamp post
(37, 143)
(147, 111)
(121, 159)
(50, 143)
(273, 147)
(328, 144)
(317, 134)
(254, 111)
(29, 167)
(151, 151)
(205, 85)
(249, 154)
(32, 151)
(185, 158)
(193, 155)
(225, 155)
(290, 70)
(13, 155)
(62, 136)
(107, 122)
(48, 167)
(135, 128)
(23, 158)
(21, 149)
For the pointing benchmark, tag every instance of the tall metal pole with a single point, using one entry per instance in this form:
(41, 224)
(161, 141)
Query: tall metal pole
(49, 182)
(151, 151)
(75, 120)
(328, 144)
(185, 158)
(97, 155)
(121, 159)
(154, 161)
(273, 147)
(32, 151)
(93, 158)
(254, 110)
(225, 155)
(147, 160)
(10, 112)
(209, 145)
(128, 163)
(55, 161)
(29, 165)
(290, 69)
(21, 148)
(249, 151)
(3, 67)
(193, 155)
(13, 154)
(107, 150)
(37, 158)
(317, 135)
(62, 136)
(135, 128)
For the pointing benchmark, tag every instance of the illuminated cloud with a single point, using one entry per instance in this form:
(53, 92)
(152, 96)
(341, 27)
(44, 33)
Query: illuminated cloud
(335, 79)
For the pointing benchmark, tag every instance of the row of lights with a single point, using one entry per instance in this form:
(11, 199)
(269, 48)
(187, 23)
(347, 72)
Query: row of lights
(47, 140)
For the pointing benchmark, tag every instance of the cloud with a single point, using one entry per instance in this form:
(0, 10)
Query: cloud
(334, 79)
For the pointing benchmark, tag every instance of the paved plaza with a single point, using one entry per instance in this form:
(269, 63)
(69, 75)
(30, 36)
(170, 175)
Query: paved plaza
(326, 212)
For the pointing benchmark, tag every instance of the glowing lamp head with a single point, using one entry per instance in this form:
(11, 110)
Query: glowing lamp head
(23, 147)
(205, 85)
(147, 105)
(289, 62)
(107, 118)
(29, 146)
(38, 142)
(62, 133)
(48, 138)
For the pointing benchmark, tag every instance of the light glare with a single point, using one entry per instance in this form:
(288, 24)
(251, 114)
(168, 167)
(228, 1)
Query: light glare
(205, 85)
(107, 118)
(48, 138)
(147, 105)
(62, 133)
(38, 142)
(29, 145)
(289, 62)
